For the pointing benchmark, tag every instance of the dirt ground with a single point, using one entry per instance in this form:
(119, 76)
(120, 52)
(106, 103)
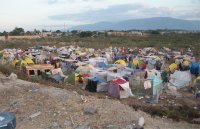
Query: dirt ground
(45, 107)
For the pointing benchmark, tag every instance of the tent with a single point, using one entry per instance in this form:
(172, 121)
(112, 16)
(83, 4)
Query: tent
(157, 58)
(119, 88)
(121, 62)
(101, 65)
(23, 62)
(180, 78)
(84, 69)
(195, 68)
(151, 64)
(28, 61)
(137, 62)
(157, 84)
(95, 84)
(196, 85)
(73, 78)
(173, 67)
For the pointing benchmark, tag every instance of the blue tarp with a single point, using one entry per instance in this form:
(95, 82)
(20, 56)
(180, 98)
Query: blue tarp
(96, 79)
(156, 83)
(101, 65)
(120, 57)
(194, 68)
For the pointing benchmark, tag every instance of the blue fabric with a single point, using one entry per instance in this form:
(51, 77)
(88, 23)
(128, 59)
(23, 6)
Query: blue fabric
(101, 65)
(194, 68)
(97, 80)
(111, 65)
(57, 77)
(136, 70)
(156, 83)
(120, 56)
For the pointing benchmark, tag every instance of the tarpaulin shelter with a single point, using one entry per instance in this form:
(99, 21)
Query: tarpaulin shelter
(180, 78)
(137, 62)
(119, 88)
(137, 86)
(121, 62)
(195, 68)
(95, 84)
(73, 78)
(196, 86)
(173, 67)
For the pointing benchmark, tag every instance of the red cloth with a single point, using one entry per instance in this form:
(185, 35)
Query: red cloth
(144, 66)
(86, 75)
(119, 81)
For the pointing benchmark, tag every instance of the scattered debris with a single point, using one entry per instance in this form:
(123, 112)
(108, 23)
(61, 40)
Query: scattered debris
(35, 115)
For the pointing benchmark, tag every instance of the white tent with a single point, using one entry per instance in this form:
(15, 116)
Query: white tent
(181, 78)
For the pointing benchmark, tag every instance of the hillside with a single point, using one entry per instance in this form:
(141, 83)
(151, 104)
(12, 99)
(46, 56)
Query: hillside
(143, 24)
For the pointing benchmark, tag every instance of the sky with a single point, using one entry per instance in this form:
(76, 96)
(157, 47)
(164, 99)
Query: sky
(62, 14)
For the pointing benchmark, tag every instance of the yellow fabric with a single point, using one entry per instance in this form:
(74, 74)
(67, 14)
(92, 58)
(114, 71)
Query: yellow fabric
(173, 67)
(157, 58)
(198, 78)
(136, 62)
(14, 62)
(186, 63)
(76, 77)
(28, 61)
(122, 62)
(23, 63)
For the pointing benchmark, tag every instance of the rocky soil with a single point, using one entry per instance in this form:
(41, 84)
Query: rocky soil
(45, 107)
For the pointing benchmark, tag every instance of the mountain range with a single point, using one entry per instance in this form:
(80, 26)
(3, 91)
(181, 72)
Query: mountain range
(143, 24)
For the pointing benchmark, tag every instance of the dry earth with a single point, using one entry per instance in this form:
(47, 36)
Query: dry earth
(20, 37)
(45, 107)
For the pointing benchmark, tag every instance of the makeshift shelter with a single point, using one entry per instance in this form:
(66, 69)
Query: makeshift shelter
(195, 68)
(73, 78)
(173, 67)
(137, 86)
(137, 62)
(151, 64)
(120, 62)
(95, 84)
(180, 78)
(119, 88)
(196, 87)
(84, 69)
(35, 70)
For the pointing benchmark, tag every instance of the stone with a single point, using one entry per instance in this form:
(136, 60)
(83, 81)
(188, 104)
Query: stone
(112, 127)
(141, 122)
(82, 127)
(12, 76)
(90, 110)
(67, 123)
(129, 127)
(35, 115)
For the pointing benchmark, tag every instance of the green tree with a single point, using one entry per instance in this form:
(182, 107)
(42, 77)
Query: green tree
(58, 31)
(28, 33)
(36, 31)
(17, 31)
(86, 34)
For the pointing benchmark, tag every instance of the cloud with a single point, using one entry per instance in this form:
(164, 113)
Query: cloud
(127, 11)
(116, 12)
(50, 2)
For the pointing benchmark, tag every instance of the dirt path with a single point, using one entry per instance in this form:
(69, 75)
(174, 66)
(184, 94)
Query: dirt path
(45, 107)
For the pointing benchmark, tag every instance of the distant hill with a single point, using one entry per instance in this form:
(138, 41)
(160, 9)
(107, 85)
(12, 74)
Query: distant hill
(143, 24)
